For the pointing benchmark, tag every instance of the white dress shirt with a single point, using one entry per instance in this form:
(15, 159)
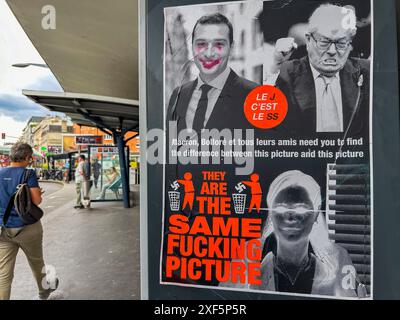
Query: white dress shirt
(217, 85)
(80, 172)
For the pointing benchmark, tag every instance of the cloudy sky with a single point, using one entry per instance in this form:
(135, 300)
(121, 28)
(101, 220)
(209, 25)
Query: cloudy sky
(15, 47)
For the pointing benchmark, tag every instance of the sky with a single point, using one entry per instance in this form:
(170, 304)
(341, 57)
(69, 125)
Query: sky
(15, 47)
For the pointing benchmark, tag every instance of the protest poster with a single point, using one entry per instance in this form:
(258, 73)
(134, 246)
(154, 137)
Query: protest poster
(267, 175)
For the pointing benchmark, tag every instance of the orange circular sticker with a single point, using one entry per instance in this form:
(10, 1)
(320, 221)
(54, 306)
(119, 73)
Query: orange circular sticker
(265, 107)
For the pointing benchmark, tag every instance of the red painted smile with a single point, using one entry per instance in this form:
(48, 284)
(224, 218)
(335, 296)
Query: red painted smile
(209, 64)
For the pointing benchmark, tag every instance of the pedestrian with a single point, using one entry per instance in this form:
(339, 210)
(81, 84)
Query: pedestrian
(15, 234)
(80, 177)
(67, 170)
(96, 166)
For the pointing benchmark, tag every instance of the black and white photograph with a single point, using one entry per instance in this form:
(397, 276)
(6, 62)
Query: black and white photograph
(300, 192)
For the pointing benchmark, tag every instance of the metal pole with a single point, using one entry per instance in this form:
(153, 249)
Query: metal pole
(144, 217)
(122, 163)
(70, 167)
(101, 169)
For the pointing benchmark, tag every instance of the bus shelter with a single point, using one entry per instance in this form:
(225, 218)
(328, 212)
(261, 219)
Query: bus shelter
(97, 70)
(114, 116)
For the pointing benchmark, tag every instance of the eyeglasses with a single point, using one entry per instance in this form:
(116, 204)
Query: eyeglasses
(325, 43)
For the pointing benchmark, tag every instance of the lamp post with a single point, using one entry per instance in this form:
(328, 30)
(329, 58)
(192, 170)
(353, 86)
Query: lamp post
(24, 65)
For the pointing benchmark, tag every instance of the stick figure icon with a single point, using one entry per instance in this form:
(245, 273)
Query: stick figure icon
(256, 192)
(187, 183)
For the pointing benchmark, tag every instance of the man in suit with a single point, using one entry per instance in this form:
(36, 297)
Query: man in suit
(327, 91)
(215, 99)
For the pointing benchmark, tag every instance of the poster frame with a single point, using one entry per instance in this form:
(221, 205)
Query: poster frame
(386, 137)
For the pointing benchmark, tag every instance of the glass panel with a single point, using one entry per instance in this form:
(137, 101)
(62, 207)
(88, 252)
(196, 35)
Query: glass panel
(105, 173)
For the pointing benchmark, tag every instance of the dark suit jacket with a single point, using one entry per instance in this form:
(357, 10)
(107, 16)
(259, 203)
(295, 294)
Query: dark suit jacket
(297, 82)
(228, 110)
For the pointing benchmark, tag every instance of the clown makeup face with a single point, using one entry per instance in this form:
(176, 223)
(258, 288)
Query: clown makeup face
(211, 49)
(293, 215)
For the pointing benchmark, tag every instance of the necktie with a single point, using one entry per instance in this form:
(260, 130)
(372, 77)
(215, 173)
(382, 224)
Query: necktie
(199, 117)
(330, 116)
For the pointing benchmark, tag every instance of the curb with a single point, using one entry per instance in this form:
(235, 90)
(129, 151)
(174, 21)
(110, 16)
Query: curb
(52, 181)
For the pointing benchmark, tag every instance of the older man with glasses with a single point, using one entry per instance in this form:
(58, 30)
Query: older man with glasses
(327, 91)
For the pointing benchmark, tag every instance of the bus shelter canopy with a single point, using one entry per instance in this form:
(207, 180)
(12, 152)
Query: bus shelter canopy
(90, 110)
(93, 48)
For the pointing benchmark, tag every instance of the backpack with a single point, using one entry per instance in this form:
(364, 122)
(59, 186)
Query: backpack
(21, 200)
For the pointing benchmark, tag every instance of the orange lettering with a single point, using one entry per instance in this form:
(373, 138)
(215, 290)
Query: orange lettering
(254, 272)
(200, 225)
(171, 264)
(251, 228)
(178, 224)
(172, 242)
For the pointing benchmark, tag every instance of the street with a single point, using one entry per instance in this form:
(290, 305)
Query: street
(48, 198)
(50, 187)
(95, 252)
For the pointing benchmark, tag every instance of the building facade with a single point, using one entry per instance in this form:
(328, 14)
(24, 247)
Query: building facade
(56, 135)
(28, 132)
(48, 134)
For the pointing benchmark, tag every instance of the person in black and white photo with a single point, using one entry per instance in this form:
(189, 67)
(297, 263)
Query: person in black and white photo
(327, 90)
(215, 98)
(304, 260)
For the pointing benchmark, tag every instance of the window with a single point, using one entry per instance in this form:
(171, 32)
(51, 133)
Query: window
(54, 128)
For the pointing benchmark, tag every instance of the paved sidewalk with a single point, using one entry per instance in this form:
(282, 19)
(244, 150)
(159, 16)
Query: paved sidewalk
(95, 251)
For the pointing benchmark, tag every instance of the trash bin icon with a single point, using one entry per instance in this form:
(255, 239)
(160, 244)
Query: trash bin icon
(174, 200)
(239, 202)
